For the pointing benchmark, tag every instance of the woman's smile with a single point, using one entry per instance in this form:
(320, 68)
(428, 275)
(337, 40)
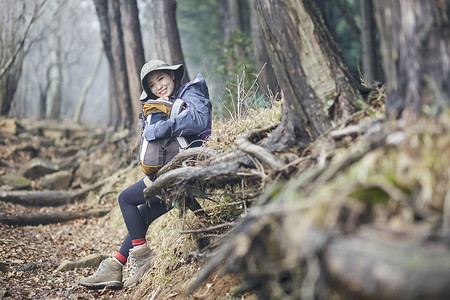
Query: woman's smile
(162, 91)
(161, 83)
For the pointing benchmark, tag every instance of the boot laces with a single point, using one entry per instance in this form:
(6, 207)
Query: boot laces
(133, 263)
(100, 268)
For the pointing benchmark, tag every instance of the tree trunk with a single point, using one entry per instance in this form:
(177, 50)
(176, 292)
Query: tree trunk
(415, 42)
(134, 51)
(315, 81)
(111, 31)
(84, 91)
(230, 19)
(343, 8)
(8, 86)
(101, 7)
(113, 107)
(267, 80)
(231, 23)
(15, 42)
(43, 93)
(167, 37)
(42, 109)
(120, 66)
(368, 41)
(56, 83)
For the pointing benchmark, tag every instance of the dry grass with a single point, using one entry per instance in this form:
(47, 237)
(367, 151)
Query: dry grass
(225, 132)
(169, 276)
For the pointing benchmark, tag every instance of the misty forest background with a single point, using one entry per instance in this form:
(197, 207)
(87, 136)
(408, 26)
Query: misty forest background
(61, 61)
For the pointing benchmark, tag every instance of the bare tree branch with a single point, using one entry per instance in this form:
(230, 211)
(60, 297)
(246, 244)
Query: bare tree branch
(21, 42)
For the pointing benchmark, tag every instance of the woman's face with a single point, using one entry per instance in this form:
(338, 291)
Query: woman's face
(161, 84)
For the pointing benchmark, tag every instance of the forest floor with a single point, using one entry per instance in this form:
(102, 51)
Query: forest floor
(33, 254)
(30, 255)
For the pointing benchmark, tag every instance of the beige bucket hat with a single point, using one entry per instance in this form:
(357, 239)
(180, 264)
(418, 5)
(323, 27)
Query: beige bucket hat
(155, 65)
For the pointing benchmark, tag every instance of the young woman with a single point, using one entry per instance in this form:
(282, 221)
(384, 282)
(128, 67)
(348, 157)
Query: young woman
(160, 81)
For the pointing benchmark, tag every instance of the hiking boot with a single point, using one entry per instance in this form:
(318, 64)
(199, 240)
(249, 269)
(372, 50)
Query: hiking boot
(140, 260)
(108, 274)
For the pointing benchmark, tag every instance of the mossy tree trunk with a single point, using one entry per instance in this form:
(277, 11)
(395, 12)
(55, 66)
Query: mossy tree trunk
(415, 42)
(316, 83)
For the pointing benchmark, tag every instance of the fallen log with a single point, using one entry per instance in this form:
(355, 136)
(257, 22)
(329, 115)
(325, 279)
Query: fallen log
(55, 198)
(38, 198)
(50, 218)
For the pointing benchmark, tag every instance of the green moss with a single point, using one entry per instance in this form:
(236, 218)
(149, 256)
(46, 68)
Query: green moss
(370, 194)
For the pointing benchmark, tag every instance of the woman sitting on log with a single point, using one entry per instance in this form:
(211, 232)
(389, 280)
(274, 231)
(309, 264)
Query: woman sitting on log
(161, 83)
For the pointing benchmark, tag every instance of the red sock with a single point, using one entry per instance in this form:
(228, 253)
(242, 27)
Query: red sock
(138, 242)
(122, 259)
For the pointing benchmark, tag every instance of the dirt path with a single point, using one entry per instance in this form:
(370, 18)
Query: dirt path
(32, 254)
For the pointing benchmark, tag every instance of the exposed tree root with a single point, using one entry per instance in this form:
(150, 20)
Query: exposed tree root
(399, 267)
(192, 155)
(228, 169)
(317, 246)
(245, 144)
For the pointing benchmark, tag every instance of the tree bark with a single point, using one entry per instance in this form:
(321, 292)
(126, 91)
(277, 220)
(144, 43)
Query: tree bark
(134, 51)
(375, 265)
(113, 107)
(167, 37)
(267, 80)
(101, 7)
(315, 81)
(369, 46)
(231, 23)
(38, 198)
(50, 218)
(415, 43)
(120, 66)
(56, 83)
(8, 85)
(112, 38)
(43, 93)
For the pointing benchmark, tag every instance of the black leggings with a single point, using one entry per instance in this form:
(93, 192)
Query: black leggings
(137, 214)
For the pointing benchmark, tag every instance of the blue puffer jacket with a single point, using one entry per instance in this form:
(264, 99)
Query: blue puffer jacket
(194, 123)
